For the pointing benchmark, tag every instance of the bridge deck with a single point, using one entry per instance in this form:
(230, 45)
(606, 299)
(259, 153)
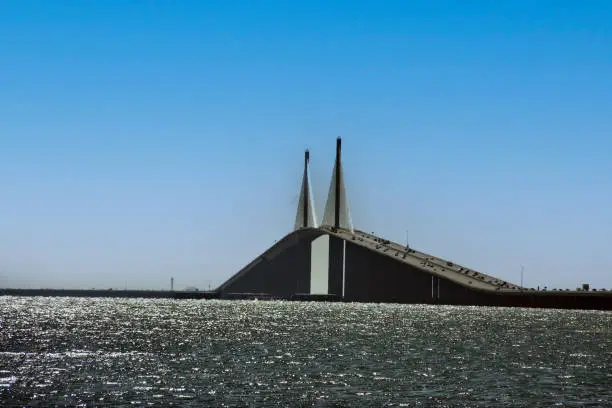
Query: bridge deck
(428, 263)
(436, 266)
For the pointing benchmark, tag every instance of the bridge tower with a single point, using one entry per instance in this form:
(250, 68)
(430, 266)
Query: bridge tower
(328, 254)
(306, 216)
(337, 213)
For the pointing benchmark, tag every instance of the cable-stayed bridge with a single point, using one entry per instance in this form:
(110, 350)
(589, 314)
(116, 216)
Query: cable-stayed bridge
(335, 261)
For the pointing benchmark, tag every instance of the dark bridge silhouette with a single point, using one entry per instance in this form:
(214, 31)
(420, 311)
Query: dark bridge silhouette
(335, 261)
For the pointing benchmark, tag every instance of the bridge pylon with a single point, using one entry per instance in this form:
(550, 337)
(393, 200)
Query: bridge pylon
(337, 212)
(306, 216)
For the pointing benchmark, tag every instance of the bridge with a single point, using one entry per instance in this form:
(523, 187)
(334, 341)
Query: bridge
(335, 261)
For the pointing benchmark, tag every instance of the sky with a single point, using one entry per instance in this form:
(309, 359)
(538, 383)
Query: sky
(143, 140)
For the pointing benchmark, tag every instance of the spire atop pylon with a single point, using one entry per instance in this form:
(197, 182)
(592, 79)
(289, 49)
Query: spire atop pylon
(306, 216)
(337, 212)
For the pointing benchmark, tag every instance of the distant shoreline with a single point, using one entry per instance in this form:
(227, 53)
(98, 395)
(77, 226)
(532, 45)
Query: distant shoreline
(112, 293)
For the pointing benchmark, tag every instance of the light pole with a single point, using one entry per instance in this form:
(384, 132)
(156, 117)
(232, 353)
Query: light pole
(522, 268)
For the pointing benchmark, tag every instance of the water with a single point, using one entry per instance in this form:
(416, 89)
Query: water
(126, 352)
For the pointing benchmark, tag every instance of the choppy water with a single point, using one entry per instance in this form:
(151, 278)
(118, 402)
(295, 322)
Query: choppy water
(125, 352)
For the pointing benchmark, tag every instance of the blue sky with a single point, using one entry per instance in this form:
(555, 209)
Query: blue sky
(147, 139)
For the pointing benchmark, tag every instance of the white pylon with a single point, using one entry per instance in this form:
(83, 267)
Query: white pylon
(306, 216)
(337, 192)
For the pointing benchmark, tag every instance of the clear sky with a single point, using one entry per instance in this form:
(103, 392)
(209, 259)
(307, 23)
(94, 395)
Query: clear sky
(141, 140)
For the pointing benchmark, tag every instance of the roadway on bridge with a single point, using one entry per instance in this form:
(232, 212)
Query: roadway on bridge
(433, 265)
